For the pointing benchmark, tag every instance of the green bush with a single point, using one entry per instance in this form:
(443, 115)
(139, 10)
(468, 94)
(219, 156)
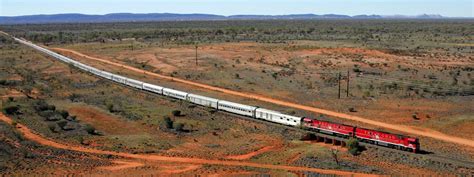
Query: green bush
(114, 108)
(62, 123)
(64, 113)
(74, 97)
(11, 110)
(90, 129)
(43, 106)
(176, 113)
(53, 127)
(168, 122)
(179, 127)
(353, 146)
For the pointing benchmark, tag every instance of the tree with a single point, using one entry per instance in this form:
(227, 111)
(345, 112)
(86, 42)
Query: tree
(334, 155)
(168, 122)
(11, 110)
(353, 146)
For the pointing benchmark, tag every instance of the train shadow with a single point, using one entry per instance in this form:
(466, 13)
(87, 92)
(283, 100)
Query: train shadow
(424, 152)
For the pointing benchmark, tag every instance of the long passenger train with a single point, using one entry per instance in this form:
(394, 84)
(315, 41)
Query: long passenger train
(347, 131)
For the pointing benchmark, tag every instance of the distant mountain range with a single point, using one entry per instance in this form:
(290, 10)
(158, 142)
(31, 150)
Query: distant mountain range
(131, 17)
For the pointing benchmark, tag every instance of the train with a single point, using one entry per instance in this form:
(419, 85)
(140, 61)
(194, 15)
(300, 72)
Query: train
(381, 138)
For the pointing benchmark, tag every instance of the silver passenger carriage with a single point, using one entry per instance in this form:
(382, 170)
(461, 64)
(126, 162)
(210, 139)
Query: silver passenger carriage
(119, 79)
(153, 88)
(236, 108)
(134, 83)
(175, 93)
(202, 100)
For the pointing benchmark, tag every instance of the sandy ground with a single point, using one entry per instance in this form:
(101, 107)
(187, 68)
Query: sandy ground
(28, 134)
(402, 128)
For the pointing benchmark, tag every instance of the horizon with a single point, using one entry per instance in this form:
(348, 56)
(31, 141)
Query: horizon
(235, 14)
(445, 8)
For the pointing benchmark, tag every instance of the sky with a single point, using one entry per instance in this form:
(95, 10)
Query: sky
(449, 8)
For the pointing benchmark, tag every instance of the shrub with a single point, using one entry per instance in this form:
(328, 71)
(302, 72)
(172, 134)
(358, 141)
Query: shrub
(353, 146)
(11, 110)
(415, 116)
(168, 122)
(74, 97)
(176, 113)
(64, 113)
(46, 113)
(275, 75)
(90, 129)
(179, 127)
(43, 106)
(53, 127)
(114, 108)
(62, 123)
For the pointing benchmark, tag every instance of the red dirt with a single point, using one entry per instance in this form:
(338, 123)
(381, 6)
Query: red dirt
(251, 154)
(122, 165)
(402, 128)
(104, 121)
(294, 158)
(242, 173)
(179, 169)
(28, 134)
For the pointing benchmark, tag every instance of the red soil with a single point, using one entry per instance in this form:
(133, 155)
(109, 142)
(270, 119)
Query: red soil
(251, 154)
(179, 169)
(401, 128)
(122, 165)
(28, 134)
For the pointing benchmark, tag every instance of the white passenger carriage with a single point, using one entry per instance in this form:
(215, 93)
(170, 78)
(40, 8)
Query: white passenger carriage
(236, 108)
(134, 83)
(95, 71)
(106, 75)
(277, 117)
(175, 93)
(202, 100)
(153, 88)
(82, 66)
(118, 78)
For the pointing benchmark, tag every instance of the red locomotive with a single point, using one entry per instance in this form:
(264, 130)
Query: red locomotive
(328, 127)
(365, 135)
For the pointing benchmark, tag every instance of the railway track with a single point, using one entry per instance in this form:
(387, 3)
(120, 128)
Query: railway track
(424, 155)
(428, 156)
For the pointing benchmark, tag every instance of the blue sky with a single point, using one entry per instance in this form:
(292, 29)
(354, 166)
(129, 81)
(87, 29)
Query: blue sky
(451, 8)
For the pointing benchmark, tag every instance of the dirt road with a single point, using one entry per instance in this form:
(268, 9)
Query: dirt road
(28, 134)
(402, 128)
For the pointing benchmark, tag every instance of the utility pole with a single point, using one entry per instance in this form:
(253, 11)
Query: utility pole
(348, 78)
(196, 55)
(339, 84)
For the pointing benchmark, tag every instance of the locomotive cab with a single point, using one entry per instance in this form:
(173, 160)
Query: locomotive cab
(414, 144)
